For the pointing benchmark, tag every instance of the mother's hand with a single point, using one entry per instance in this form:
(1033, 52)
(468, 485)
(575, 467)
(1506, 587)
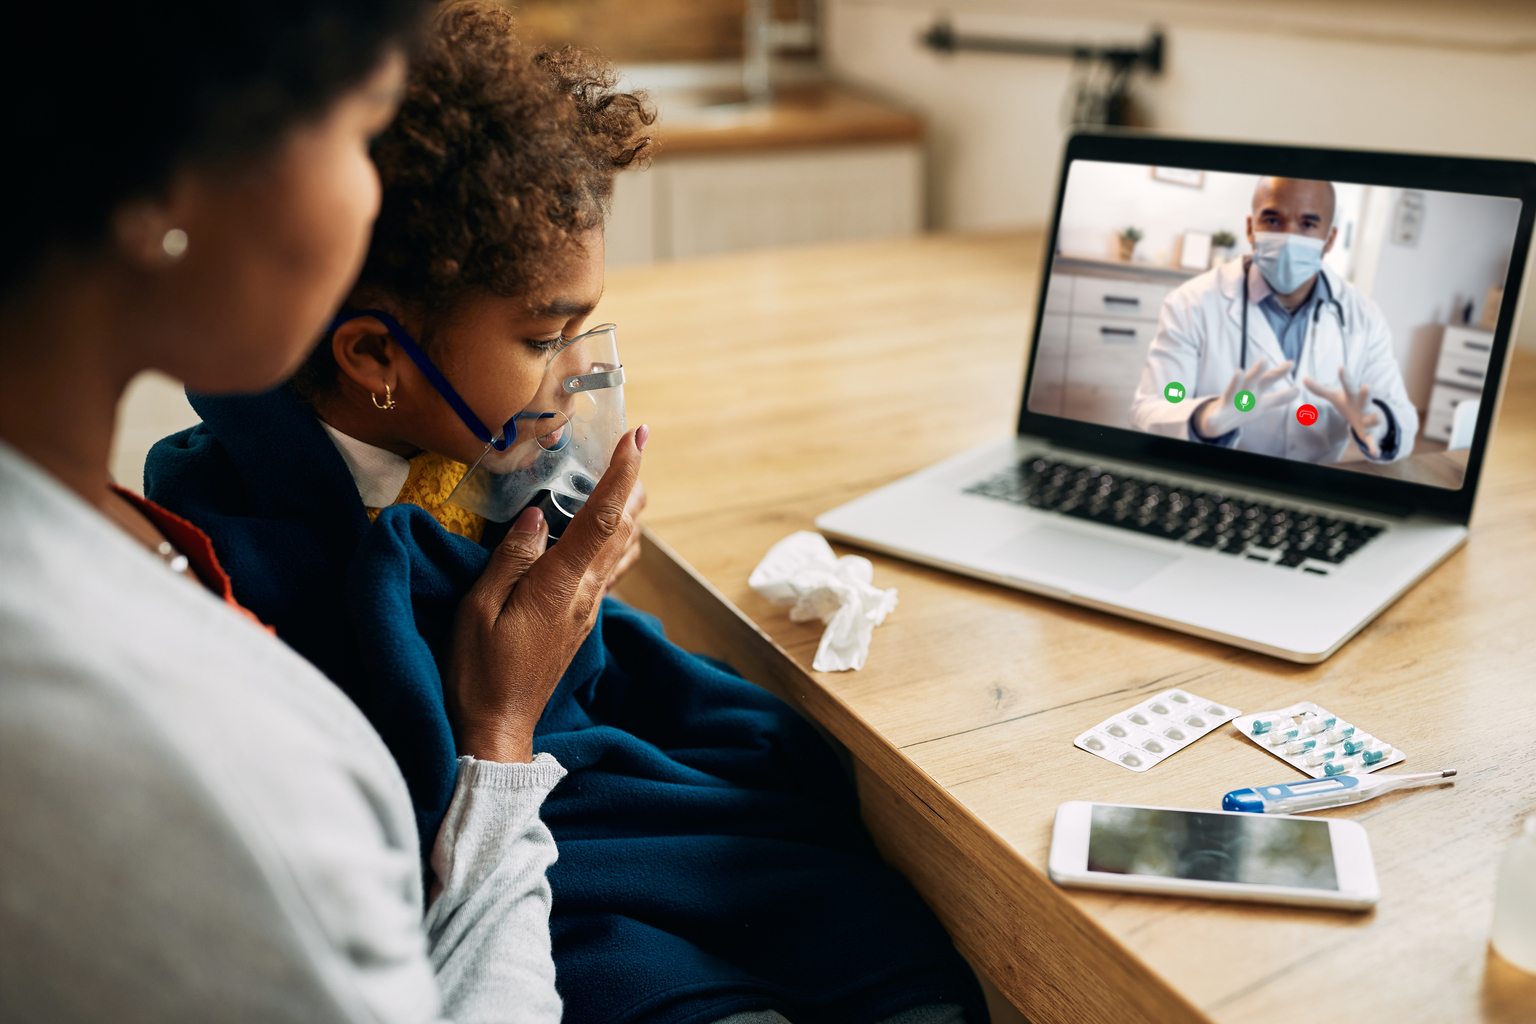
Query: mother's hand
(520, 624)
(634, 507)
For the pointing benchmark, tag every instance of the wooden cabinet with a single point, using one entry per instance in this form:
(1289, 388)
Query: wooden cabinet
(821, 163)
(702, 204)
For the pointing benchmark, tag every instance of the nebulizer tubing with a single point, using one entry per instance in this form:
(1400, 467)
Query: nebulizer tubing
(554, 470)
(436, 379)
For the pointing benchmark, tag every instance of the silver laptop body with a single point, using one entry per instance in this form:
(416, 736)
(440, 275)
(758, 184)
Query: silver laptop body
(1285, 555)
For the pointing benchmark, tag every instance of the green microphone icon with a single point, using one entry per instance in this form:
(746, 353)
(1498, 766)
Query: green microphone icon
(1243, 400)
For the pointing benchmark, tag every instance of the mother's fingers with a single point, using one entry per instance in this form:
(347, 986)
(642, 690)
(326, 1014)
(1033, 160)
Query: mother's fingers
(510, 562)
(637, 499)
(626, 561)
(633, 507)
(597, 536)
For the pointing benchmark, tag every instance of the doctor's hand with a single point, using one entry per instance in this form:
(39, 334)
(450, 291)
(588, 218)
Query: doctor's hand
(1356, 408)
(1215, 418)
(520, 625)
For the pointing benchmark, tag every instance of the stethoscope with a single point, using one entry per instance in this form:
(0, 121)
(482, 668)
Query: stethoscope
(1317, 311)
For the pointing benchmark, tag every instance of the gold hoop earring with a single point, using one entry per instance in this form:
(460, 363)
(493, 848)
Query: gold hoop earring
(389, 399)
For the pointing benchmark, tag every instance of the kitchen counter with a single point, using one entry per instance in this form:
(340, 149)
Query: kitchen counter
(821, 163)
(801, 116)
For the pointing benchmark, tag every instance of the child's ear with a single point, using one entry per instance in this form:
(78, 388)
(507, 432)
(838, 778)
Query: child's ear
(365, 353)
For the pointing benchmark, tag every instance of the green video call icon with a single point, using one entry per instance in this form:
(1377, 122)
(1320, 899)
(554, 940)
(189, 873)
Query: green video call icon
(1243, 400)
(1174, 392)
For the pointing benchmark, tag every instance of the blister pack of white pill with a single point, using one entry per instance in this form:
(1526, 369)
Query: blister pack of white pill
(1139, 737)
(1317, 741)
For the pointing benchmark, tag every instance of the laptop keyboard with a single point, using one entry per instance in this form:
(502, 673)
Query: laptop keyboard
(1287, 537)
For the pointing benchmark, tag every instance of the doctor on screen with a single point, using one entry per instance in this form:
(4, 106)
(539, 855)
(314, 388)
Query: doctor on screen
(1253, 342)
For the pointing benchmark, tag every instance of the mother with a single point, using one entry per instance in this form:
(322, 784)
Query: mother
(197, 824)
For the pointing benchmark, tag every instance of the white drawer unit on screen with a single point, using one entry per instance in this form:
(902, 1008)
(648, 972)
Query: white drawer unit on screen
(1103, 296)
(1459, 376)
(1093, 342)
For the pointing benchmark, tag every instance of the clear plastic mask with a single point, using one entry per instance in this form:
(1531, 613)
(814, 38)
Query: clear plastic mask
(561, 442)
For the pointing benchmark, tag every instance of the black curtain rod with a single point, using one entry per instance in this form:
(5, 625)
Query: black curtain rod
(942, 37)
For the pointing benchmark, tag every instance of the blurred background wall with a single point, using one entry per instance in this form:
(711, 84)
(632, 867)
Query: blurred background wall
(643, 31)
(1454, 76)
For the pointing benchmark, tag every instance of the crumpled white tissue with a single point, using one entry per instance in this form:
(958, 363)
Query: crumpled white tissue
(802, 571)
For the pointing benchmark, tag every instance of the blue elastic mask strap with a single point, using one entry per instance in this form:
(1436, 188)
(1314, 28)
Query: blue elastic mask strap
(434, 376)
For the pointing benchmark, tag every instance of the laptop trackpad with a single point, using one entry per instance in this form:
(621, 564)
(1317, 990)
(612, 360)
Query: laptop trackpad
(1092, 560)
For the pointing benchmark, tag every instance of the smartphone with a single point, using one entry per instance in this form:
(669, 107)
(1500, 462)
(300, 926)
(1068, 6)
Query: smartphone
(1222, 855)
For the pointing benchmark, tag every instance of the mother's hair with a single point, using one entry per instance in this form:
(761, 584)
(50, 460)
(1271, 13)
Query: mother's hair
(110, 103)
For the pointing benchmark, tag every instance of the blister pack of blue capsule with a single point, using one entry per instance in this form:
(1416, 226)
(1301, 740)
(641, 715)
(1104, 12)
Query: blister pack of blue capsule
(1316, 741)
(1155, 729)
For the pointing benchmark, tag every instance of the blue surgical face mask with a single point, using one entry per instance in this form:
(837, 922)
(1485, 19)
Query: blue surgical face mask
(1287, 261)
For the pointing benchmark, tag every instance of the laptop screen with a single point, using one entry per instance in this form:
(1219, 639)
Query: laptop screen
(1340, 323)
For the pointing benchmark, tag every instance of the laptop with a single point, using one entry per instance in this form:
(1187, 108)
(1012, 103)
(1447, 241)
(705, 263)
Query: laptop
(1214, 441)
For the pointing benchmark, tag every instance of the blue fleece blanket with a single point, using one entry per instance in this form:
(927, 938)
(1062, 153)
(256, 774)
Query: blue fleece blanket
(711, 857)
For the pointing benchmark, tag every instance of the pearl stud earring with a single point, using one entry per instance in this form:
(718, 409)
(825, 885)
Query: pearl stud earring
(174, 244)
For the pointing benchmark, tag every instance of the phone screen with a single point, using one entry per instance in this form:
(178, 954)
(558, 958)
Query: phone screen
(1244, 848)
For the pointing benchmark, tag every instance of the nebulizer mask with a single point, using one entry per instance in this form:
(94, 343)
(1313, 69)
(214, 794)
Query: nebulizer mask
(560, 443)
(552, 453)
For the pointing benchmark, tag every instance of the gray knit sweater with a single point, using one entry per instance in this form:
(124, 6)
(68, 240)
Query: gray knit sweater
(196, 825)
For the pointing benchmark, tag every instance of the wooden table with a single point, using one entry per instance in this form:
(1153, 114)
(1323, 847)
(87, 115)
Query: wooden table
(780, 384)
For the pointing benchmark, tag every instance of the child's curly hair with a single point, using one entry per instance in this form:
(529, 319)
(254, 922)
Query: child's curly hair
(499, 159)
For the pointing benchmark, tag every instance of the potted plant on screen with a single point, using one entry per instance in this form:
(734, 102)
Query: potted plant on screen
(1128, 238)
(1222, 244)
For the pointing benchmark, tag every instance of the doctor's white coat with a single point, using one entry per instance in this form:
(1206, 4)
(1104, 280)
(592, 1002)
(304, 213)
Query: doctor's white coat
(1198, 344)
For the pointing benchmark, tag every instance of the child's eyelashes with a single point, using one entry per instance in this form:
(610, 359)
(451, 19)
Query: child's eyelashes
(544, 344)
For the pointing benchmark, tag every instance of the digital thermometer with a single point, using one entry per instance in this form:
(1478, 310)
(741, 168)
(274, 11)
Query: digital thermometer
(1315, 794)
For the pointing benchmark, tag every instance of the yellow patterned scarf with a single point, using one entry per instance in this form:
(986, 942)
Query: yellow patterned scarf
(433, 477)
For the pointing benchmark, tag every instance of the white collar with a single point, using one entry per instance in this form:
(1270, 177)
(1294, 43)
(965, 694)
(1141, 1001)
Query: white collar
(378, 473)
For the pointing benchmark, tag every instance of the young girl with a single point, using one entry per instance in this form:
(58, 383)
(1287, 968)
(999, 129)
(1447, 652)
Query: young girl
(711, 862)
